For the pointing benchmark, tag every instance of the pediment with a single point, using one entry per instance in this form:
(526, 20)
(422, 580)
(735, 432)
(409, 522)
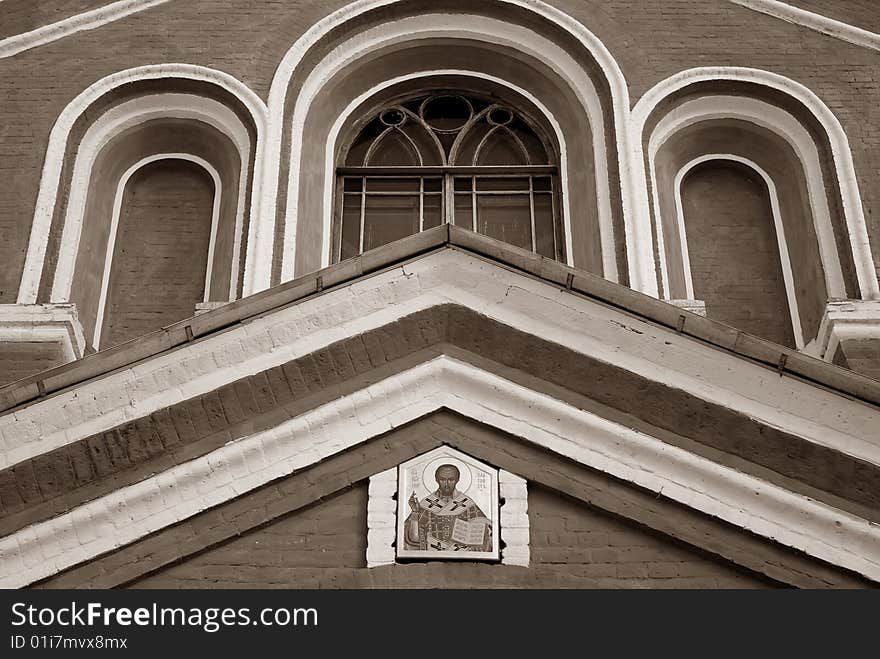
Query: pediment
(301, 377)
(294, 506)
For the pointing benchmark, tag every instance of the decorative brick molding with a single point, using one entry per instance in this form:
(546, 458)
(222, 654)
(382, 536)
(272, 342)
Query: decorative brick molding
(85, 21)
(114, 123)
(850, 330)
(450, 276)
(844, 166)
(474, 26)
(813, 21)
(48, 323)
(382, 518)
(306, 489)
(50, 181)
(514, 519)
(132, 512)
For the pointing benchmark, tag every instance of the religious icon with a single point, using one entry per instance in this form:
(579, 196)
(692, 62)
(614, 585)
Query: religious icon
(447, 507)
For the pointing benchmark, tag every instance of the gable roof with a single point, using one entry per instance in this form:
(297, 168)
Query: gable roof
(446, 319)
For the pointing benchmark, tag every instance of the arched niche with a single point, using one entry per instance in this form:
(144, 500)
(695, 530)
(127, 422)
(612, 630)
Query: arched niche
(115, 104)
(161, 243)
(735, 253)
(777, 164)
(127, 134)
(788, 110)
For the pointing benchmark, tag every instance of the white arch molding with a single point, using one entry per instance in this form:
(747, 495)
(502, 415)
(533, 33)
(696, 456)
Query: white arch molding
(332, 143)
(59, 137)
(114, 226)
(842, 155)
(114, 122)
(781, 123)
(781, 243)
(461, 26)
(445, 25)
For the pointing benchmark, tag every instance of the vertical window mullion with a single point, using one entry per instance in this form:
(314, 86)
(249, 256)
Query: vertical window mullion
(558, 228)
(532, 212)
(474, 204)
(448, 198)
(363, 211)
(337, 215)
(421, 204)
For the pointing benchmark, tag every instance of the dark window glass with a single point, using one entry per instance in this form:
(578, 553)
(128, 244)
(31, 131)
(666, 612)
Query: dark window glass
(464, 211)
(433, 211)
(464, 184)
(353, 184)
(393, 185)
(497, 163)
(505, 217)
(497, 183)
(351, 226)
(389, 218)
(545, 244)
(433, 184)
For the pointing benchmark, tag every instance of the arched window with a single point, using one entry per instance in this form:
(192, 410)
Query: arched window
(447, 157)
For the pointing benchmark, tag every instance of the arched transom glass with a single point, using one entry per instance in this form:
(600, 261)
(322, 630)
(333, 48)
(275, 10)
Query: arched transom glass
(448, 157)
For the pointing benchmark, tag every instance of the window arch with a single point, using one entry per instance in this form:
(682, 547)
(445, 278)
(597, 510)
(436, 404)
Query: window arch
(446, 156)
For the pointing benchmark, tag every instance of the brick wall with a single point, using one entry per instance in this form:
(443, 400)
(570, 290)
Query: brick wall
(330, 534)
(25, 15)
(161, 253)
(861, 13)
(654, 39)
(21, 359)
(589, 544)
(571, 544)
(651, 40)
(733, 250)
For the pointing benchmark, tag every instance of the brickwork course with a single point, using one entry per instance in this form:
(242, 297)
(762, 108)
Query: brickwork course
(234, 448)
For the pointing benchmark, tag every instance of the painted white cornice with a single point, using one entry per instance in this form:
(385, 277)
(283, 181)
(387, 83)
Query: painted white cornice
(80, 22)
(51, 323)
(816, 22)
(132, 512)
(847, 320)
(446, 277)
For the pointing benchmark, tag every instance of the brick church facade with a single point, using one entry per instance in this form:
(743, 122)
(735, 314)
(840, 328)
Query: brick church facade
(397, 293)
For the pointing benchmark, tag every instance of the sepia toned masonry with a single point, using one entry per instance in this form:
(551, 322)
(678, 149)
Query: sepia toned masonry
(429, 294)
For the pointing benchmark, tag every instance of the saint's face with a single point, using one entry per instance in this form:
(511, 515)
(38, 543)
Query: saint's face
(447, 479)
